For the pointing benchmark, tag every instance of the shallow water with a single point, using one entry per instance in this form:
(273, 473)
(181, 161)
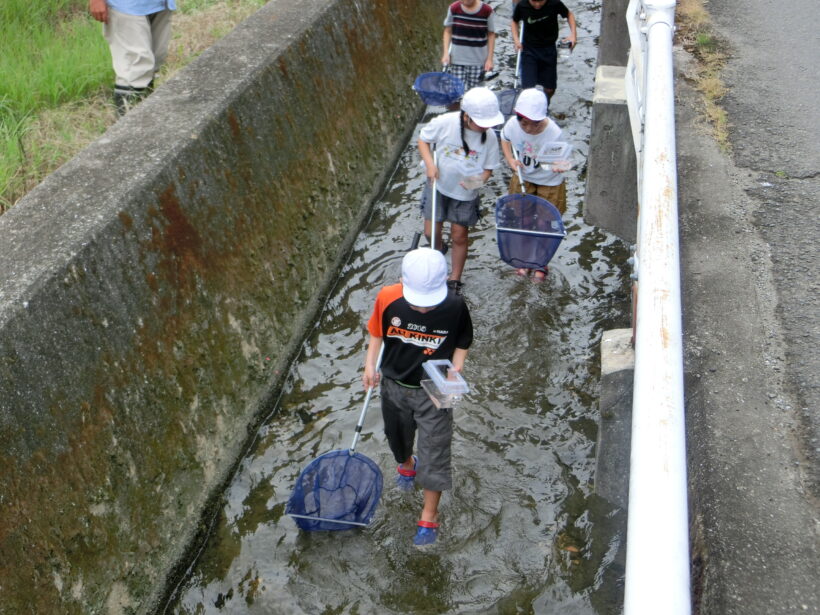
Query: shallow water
(522, 531)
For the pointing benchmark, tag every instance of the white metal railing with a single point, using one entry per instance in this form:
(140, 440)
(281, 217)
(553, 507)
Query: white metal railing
(657, 551)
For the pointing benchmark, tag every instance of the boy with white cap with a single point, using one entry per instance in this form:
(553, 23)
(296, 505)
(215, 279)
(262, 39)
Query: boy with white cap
(532, 133)
(467, 153)
(418, 320)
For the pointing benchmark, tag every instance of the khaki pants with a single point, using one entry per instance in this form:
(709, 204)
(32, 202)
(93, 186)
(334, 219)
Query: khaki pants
(139, 45)
(557, 195)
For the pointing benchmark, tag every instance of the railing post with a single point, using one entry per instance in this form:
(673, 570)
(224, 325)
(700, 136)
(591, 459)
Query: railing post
(657, 559)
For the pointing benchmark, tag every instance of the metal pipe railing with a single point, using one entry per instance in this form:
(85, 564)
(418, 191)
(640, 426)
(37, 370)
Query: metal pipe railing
(657, 551)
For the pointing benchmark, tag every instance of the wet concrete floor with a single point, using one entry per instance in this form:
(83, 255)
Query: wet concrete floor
(522, 531)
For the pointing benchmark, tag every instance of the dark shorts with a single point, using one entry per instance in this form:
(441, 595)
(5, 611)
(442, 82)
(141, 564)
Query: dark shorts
(408, 410)
(538, 67)
(465, 213)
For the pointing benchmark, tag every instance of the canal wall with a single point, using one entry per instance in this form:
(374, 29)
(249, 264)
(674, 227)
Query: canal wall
(611, 197)
(155, 288)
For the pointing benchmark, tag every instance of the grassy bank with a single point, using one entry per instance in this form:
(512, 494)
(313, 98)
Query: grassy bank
(57, 78)
(696, 34)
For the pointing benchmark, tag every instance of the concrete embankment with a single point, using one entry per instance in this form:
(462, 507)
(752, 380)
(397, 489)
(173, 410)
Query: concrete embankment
(154, 289)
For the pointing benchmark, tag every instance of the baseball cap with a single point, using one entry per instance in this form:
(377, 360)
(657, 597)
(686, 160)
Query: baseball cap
(532, 104)
(424, 277)
(481, 105)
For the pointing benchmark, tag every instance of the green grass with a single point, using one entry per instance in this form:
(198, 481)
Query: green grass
(55, 65)
(51, 52)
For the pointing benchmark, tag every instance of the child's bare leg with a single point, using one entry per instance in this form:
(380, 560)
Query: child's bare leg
(458, 241)
(430, 510)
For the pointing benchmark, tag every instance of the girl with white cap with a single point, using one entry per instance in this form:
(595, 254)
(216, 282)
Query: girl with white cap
(542, 154)
(467, 152)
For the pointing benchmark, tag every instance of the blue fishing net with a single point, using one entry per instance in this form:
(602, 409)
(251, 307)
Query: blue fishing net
(439, 89)
(336, 491)
(506, 101)
(529, 230)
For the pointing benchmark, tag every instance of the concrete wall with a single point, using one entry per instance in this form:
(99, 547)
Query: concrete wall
(611, 199)
(153, 290)
(613, 48)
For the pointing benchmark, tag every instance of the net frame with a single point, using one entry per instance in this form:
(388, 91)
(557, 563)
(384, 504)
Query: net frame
(439, 89)
(529, 230)
(339, 490)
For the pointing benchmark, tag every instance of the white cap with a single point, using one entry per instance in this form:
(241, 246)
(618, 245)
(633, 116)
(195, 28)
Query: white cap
(424, 277)
(532, 104)
(481, 105)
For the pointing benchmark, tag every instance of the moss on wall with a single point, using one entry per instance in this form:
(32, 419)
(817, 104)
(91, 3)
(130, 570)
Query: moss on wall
(156, 287)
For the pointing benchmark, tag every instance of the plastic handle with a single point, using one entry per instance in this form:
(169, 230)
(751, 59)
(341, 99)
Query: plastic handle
(518, 169)
(364, 406)
(518, 58)
(433, 206)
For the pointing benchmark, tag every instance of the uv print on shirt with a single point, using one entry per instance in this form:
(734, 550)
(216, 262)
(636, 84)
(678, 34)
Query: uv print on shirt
(531, 149)
(411, 338)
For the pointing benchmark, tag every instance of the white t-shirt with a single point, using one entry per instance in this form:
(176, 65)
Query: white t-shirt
(444, 132)
(531, 147)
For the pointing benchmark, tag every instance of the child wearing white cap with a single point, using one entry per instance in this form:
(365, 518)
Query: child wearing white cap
(536, 138)
(418, 320)
(467, 153)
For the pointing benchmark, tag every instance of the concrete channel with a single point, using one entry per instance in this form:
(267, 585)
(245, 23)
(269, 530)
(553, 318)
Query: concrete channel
(154, 290)
(155, 293)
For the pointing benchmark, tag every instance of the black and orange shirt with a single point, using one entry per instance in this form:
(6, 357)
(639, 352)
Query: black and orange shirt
(411, 338)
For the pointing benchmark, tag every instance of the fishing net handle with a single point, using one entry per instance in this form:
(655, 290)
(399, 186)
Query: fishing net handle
(516, 81)
(518, 169)
(433, 205)
(367, 397)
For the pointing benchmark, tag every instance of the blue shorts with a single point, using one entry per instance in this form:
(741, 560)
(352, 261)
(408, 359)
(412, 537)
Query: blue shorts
(538, 67)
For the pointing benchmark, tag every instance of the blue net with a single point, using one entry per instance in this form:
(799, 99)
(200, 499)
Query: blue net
(439, 89)
(529, 230)
(337, 491)
(506, 101)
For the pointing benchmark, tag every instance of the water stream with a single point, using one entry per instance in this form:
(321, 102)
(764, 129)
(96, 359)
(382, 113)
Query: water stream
(522, 531)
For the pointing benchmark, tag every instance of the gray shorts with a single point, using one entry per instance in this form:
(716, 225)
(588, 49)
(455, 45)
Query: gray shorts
(406, 411)
(465, 213)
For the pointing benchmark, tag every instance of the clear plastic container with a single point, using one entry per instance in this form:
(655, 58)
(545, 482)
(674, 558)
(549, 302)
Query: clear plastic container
(564, 49)
(472, 182)
(445, 386)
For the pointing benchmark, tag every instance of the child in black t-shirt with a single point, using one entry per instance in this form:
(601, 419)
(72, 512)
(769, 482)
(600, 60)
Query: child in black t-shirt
(540, 31)
(417, 321)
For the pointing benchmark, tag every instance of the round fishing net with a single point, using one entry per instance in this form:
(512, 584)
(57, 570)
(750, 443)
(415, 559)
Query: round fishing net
(336, 491)
(439, 89)
(529, 230)
(506, 102)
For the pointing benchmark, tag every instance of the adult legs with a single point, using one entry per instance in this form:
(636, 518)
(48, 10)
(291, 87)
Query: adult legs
(139, 45)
